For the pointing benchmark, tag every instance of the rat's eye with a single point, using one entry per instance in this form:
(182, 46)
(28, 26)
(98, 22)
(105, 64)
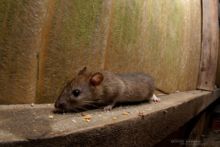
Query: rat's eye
(76, 92)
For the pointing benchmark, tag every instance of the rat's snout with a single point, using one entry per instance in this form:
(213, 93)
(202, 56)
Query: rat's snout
(60, 105)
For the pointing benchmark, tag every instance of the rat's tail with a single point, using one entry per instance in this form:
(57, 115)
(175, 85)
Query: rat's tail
(160, 90)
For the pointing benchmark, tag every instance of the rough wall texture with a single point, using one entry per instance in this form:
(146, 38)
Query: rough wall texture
(20, 24)
(44, 43)
(159, 37)
(218, 69)
(210, 45)
(76, 38)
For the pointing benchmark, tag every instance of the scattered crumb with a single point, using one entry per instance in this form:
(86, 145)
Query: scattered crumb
(48, 104)
(125, 113)
(87, 117)
(114, 118)
(32, 104)
(51, 116)
(87, 120)
(73, 120)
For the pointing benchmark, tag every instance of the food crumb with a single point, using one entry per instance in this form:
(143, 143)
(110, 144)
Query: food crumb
(114, 118)
(32, 104)
(51, 116)
(125, 113)
(73, 120)
(87, 120)
(87, 117)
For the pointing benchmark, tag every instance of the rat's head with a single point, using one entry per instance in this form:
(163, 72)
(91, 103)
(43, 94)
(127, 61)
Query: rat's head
(80, 92)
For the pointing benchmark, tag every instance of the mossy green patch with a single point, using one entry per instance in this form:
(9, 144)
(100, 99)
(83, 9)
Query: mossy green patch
(71, 45)
(80, 20)
(126, 21)
(156, 37)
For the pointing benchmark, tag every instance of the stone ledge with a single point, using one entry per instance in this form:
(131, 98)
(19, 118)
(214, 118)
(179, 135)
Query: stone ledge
(135, 125)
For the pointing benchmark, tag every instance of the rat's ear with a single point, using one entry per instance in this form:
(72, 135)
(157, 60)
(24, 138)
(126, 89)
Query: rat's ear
(82, 71)
(96, 79)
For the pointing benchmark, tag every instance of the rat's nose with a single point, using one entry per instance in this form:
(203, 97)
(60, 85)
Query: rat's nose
(60, 105)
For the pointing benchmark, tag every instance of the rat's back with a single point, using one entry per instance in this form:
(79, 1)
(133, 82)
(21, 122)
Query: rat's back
(138, 87)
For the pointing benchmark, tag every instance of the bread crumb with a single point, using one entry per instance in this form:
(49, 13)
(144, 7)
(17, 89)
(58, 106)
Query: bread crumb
(125, 113)
(114, 118)
(87, 117)
(87, 120)
(51, 116)
(73, 120)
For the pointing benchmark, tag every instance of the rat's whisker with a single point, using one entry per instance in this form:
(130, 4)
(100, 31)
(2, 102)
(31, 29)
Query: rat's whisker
(92, 104)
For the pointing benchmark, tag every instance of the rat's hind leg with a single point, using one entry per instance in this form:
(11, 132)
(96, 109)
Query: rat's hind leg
(155, 99)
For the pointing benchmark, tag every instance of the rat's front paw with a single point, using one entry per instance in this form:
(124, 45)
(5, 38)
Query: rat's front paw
(108, 108)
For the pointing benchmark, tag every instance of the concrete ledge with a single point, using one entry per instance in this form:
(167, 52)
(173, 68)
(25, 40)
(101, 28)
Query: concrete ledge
(136, 125)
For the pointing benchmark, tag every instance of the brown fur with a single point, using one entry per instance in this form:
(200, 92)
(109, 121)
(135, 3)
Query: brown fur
(105, 88)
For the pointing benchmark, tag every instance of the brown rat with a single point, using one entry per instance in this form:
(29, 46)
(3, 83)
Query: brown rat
(105, 88)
